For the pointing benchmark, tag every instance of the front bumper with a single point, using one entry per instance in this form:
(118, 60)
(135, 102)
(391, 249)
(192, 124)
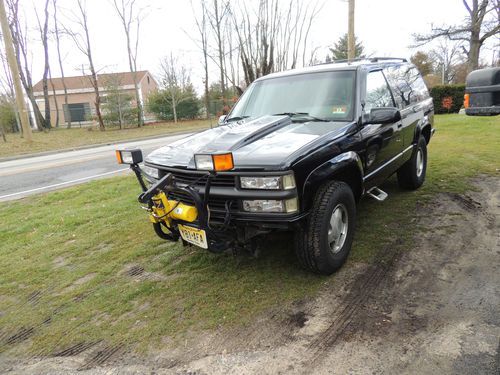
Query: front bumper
(219, 208)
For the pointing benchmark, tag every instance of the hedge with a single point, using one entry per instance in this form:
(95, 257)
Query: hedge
(447, 98)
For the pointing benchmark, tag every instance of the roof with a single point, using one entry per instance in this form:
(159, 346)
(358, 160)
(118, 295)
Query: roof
(327, 67)
(83, 82)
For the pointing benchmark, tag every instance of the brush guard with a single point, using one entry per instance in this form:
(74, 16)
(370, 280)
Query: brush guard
(218, 239)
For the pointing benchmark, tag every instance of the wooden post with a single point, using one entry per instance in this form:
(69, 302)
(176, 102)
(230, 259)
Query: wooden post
(14, 71)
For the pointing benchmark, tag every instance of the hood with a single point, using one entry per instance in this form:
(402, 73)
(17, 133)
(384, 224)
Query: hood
(264, 142)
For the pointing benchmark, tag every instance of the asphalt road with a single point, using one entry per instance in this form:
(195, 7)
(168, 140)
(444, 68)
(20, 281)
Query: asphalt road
(34, 175)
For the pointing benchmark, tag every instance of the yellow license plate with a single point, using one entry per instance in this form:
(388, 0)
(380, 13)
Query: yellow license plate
(195, 236)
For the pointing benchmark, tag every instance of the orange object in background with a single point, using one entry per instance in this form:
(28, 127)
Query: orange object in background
(223, 162)
(466, 100)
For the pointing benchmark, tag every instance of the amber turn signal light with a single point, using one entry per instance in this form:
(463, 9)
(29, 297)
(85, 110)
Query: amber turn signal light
(223, 162)
(119, 157)
(466, 100)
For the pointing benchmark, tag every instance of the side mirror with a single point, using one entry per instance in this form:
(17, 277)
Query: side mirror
(383, 115)
(222, 119)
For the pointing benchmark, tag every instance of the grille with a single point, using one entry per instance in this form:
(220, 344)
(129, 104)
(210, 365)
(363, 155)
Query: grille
(187, 178)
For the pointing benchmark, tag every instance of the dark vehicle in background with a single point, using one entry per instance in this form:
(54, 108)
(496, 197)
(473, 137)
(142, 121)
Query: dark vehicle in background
(296, 153)
(482, 92)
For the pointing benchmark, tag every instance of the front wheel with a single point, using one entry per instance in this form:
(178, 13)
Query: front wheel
(412, 174)
(324, 242)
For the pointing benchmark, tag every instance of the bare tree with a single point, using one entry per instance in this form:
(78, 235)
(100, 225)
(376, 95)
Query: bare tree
(448, 56)
(201, 24)
(82, 42)
(130, 18)
(43, 29)
(482, 22)
(174, 78)
(273, 37)
(20, 39)
(67, 115)
(216, 17)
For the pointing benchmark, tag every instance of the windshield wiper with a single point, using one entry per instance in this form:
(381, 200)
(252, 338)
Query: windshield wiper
(236, 118)
(304, 115)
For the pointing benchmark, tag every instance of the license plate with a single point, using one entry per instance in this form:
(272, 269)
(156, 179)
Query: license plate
(195, 236)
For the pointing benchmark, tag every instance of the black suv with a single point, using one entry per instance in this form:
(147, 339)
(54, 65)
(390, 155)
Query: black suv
(296, 153)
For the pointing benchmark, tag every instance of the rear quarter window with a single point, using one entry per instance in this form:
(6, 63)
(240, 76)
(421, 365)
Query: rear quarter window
(407, 85)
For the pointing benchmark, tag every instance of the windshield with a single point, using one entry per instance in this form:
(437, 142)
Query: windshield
(323, 96)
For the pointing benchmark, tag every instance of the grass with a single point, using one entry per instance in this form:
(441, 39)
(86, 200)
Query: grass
(67, 256)
(62, 138)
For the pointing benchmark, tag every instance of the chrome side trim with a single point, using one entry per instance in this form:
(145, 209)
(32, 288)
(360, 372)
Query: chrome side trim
(388, 162)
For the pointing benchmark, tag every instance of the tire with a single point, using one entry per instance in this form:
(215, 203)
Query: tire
(312, 242)
(412, 174)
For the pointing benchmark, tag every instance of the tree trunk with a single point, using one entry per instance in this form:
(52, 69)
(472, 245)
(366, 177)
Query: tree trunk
(220, 47)
(174, 108)
(55, 99)
(474, 49)
(3, 134)
(95, 84)
(207, 99)
(67, 115)
(47, 122)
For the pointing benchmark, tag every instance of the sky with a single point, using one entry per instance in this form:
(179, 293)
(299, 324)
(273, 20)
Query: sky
(385, 28)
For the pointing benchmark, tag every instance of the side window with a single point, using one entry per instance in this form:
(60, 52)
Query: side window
(377, 92)
(407, 85)
(419, 88)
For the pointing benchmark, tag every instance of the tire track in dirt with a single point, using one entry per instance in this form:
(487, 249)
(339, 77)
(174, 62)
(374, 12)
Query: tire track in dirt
(76, 349)
(363, 288)
(101, 356)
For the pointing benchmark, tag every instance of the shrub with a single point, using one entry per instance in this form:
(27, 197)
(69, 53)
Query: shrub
(160, 104)
(7, 117)
(447, 98)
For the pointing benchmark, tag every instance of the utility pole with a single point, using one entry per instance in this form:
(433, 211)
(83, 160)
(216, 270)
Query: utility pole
(14, 71)
(351, 44)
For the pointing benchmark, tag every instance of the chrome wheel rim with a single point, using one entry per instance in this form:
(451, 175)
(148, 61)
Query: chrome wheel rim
(420, 163)
(337, 228)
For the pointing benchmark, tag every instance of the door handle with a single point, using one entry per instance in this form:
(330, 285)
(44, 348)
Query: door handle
(400, 125)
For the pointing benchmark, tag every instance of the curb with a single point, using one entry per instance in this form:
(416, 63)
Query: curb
(95, 145)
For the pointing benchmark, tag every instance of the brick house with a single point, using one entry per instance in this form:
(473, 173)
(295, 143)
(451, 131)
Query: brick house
(81, 97)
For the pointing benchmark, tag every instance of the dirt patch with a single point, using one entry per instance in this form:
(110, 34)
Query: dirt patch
(430, 306)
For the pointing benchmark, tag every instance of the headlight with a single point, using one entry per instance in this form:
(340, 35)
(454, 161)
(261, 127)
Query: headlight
(129, 156)
(214, 162)
(153, 172)
(269, 205)
(285, 182)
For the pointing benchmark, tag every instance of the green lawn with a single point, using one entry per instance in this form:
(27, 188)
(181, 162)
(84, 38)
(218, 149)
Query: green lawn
(70, 256)
(62, 138)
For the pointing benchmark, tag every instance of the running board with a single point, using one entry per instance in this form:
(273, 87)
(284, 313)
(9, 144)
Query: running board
(377, 194)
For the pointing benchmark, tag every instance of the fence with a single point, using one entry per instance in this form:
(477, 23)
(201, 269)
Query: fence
(84, 116)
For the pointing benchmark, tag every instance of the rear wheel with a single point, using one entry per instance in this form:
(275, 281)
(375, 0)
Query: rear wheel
(412, 174)
(324, 242)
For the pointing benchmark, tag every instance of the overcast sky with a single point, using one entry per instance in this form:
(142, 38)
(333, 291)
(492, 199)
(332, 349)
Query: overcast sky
(384, 26)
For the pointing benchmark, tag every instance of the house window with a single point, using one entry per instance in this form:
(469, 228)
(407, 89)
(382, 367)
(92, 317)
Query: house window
(148, 79)
(77, 112)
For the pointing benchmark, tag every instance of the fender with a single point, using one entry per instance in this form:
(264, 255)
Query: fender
(347, 161)
(419, 129)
